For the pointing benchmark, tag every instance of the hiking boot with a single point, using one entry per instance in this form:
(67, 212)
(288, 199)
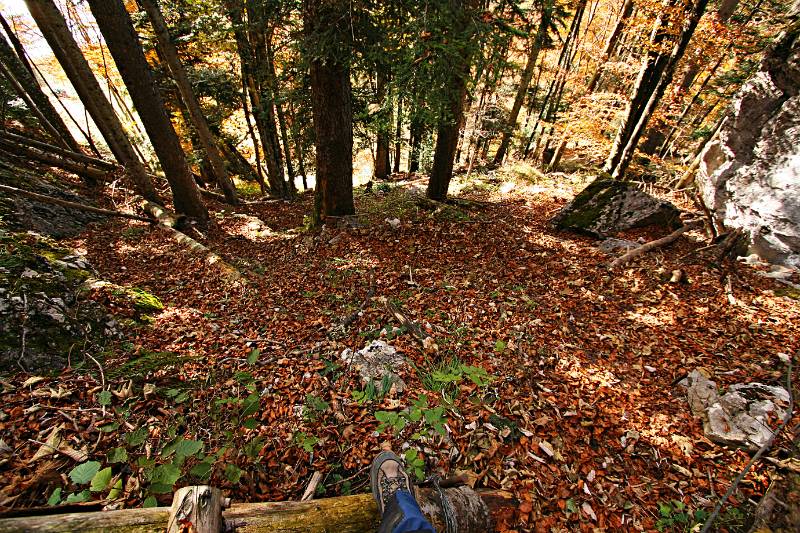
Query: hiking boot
(388, 476)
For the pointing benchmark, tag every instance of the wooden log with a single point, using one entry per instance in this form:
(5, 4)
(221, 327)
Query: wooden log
(76, 156)
(200, 506)
(168, 221)
(82, 169)
(71, 205)
(344, 514)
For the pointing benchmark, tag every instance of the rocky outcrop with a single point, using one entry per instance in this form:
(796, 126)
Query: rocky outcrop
(749, 174)
(607, 207)
(740, 417)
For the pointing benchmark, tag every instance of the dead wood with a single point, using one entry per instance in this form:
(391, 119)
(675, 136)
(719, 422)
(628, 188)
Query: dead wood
(169, 221)
(63, 152)
(71, 205)
(82, 169)
(411, 326)
(346, 514)
(652, 245)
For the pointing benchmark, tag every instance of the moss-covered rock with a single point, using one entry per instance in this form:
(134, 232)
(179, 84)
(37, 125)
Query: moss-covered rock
(606, 207)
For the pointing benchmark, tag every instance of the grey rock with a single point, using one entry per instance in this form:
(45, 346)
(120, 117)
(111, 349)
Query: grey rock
(376, 362)
(606, 207)
(749, 175)
(741, 416)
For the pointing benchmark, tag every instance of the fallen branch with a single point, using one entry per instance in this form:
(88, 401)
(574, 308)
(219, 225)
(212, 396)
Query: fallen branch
(71, 205)
(759, 453)
(76, 156)
(658, 243)
(411, 326)
(308, 494)
(82, 169)
(370, 293)
(168, 221)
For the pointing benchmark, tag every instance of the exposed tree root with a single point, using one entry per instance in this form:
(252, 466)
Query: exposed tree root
(658, 243)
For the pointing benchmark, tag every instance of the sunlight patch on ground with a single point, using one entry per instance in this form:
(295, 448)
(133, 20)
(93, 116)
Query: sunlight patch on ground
(653, 317)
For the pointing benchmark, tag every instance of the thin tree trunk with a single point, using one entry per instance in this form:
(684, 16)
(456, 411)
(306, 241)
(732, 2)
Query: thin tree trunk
(453, 114)
(298, 143)
(689, 25)
(332, 106)
(123, 43)
(611, 43)
(653, 66)
(382, 168)
(207, 140)
(29, 90)
(246, 107)
(15, 42)
(398, 136)
(527, 75)
(287, 149)
(54, 28)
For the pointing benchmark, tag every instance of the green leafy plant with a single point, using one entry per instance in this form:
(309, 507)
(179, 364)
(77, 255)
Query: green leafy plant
(305, 441)
(429, 418)
(314, 407)
(415, 463)
(674, 515)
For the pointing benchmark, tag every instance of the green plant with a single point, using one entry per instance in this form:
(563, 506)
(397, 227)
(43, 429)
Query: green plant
(429, 418)
(314, 407)
(674, 515)
(307, 442)
(415, 463)
(447, 376)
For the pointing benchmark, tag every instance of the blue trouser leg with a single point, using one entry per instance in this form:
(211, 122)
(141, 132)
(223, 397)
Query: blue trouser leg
(402, 515)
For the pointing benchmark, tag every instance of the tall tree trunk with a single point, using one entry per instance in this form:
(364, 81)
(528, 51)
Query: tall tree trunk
(123, 43)
(331, 103)
(382, 168)
(525, 81)
(257, 36)
(298, 143)
(15, 42)
(398, 136)
(650, 73)
(29, 89)
(207, 140)
(611, 43)
(452, 116)
(692, 17)
(287, 149)
(54, 28)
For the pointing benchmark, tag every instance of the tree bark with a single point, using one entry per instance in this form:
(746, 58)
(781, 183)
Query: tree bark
(170, 54)
(20, 76)
(398, 136)
(382, 168)
(332, 106)
(123, 43)
(344, 514)
(525, 81)
(58, 36)
(452, 116)
(611, 43)
(692, 17)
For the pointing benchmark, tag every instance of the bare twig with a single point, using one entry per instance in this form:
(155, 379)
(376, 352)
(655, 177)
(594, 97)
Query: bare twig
(759, 453)
(312, 486)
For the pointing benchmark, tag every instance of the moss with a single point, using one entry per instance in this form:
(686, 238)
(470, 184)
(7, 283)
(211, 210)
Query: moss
(789, 292)
(141, 299)
(589, 204)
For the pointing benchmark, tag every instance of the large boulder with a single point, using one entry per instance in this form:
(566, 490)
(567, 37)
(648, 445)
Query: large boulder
(749, 174)
(607, 207)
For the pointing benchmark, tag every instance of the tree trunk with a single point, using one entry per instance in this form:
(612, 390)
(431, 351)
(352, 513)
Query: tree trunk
(331, 103)
(524, 83)
(611, 43)
(452, 116)
(653, 66)
(30, 91)
(58, 36)
(123, 43)
(15, 42)
(170, 55)
(398, 136)
(382, 167)
(692, 17)
(287, 149)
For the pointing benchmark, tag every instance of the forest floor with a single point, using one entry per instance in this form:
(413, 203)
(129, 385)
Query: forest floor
(242, 386)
